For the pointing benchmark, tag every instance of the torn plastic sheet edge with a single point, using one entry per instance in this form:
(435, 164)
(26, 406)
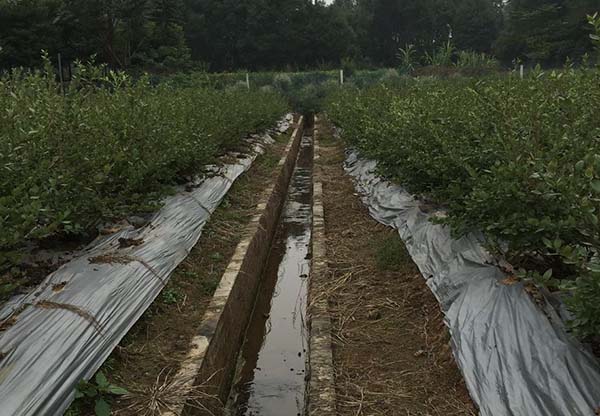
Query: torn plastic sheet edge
(516, 359)
(60, 337)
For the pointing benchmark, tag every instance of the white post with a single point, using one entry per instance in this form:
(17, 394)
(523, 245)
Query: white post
(248, 80)
(521, 71)
(341, 77)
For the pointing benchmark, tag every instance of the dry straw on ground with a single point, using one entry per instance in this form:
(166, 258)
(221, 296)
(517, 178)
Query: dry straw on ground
(391, 352)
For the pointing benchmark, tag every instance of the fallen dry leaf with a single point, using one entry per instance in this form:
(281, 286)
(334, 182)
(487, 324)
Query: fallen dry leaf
(59, 286)
(510, 280)
(130, 242)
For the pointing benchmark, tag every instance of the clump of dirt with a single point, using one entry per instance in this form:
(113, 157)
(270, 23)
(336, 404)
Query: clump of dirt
(391, 348)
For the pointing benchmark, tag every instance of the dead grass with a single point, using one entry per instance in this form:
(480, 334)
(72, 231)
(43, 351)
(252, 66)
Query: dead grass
(166, 395)
(391, 348)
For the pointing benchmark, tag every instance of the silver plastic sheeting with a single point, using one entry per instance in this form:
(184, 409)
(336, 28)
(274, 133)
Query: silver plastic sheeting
(516, 358)
(65, 330)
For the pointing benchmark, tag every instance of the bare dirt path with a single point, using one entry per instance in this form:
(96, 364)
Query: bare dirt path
(391, 349)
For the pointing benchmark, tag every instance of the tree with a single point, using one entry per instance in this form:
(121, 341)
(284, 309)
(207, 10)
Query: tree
(476, 24)
(545, 31)
(27, 27)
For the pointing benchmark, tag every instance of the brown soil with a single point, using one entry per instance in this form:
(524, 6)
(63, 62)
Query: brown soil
(391, 348)
(152, 351)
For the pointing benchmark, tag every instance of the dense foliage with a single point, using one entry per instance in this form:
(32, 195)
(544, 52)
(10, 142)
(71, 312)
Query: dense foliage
(516, 159)
(108, 147)
(169, 35)
(121, 33)
(546, 32)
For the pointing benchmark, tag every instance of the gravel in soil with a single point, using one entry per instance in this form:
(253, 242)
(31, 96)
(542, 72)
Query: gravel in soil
(392, 352)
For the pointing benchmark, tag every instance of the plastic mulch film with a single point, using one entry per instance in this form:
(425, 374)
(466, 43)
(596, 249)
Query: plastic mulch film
(516, 356)
(63, 331)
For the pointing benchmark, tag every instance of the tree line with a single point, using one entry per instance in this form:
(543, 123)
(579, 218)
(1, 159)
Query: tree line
(170, 35)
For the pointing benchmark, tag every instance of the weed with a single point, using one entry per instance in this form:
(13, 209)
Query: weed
(408, 58)
(210, 284)
(171, 296)
(97, 394)
(216, 256)
(189, 274)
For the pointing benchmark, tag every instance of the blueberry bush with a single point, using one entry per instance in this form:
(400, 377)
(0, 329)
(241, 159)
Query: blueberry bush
(107, 146)
(518, 159)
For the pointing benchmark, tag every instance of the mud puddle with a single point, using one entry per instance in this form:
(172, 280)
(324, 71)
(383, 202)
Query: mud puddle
(272, 367)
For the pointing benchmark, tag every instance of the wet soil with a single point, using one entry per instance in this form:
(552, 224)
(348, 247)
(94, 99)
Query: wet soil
(150, 355)
(272, 364)
(391, 349)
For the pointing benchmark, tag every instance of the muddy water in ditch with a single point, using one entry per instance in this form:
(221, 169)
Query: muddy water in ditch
(272, 368)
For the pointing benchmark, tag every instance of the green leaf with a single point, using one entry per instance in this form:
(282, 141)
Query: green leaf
(547, 275)
(594, 267)
(116, 390)
(90, 391)
(101, 380)
(596, 186)
(102, 408)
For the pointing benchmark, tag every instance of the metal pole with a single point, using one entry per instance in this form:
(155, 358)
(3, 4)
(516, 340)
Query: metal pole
(341, 77)
(248, 80)
(521, 72)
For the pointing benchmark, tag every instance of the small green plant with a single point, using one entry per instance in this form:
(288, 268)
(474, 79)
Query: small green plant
(408, 58)
(594, 21)
(189, 274)
(441, 56)
(171, 296)
(216, 256)
(98, 394)
(476, 60)
(210, 284)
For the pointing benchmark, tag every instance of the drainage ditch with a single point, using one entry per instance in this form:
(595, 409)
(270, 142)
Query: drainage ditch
(272, 365)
